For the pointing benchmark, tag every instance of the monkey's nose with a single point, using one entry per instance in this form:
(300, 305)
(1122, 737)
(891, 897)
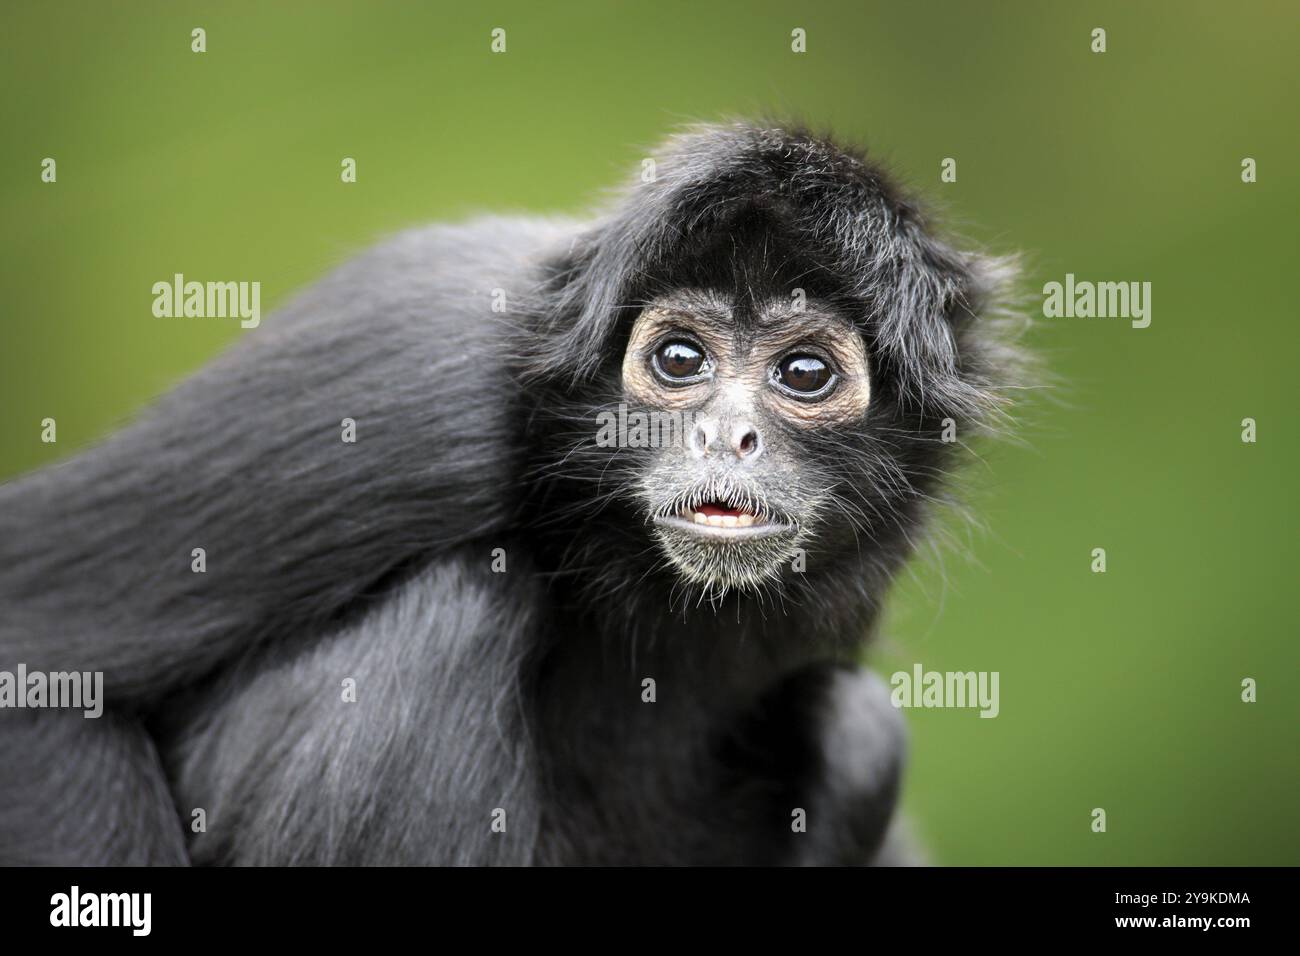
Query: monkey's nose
(743, 440)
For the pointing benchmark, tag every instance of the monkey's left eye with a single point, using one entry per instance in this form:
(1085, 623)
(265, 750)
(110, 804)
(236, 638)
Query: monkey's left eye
(678, 360)
(804, 375)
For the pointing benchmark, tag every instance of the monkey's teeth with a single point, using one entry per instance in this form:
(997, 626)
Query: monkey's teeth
(723, 521)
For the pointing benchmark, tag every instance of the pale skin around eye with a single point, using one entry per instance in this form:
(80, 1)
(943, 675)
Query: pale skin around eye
(747, 371)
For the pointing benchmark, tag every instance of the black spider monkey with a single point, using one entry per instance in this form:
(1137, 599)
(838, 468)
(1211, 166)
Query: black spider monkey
(479, 633)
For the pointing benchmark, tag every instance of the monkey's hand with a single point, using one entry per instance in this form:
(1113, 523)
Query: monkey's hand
(860, 743)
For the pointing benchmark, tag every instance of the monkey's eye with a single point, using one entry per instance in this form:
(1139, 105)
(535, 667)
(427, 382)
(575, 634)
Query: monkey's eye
(804, 375)
(678, 360)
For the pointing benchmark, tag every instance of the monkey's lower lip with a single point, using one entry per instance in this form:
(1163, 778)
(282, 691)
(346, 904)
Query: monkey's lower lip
(736, 532)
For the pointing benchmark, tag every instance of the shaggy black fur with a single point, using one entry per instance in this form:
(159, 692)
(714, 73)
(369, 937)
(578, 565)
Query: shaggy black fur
(480, 691)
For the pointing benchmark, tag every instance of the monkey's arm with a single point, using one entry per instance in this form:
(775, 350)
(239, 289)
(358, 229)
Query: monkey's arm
(861, 743)
(246, 461)
(825, 741)
(79, 792)
(399, 739)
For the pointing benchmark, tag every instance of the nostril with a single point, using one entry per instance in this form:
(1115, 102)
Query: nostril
(747, 443)
(701, 437)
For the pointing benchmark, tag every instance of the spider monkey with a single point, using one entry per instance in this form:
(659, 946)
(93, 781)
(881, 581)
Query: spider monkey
(475, 634)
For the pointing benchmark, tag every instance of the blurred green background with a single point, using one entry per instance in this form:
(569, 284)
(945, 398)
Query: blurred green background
(1118, 690)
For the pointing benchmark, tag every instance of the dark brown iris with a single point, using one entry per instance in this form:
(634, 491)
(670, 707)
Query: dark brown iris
(679, 359)
(803, 373)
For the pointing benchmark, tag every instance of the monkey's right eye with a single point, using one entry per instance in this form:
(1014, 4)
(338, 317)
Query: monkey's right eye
(677, 360)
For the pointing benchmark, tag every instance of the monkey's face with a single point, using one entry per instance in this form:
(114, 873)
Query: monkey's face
(744, 408)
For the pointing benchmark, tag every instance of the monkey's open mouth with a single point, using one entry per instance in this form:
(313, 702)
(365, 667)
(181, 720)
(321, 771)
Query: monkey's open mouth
(723, 521)
(717, 514)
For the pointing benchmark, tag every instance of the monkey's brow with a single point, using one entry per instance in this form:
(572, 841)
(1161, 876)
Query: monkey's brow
(710, 313)
(693, 302)
(769, 318)
(717, 312)
(780, 316)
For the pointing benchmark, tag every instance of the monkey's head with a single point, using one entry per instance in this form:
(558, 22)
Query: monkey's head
(739, 398)
(774, 360)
